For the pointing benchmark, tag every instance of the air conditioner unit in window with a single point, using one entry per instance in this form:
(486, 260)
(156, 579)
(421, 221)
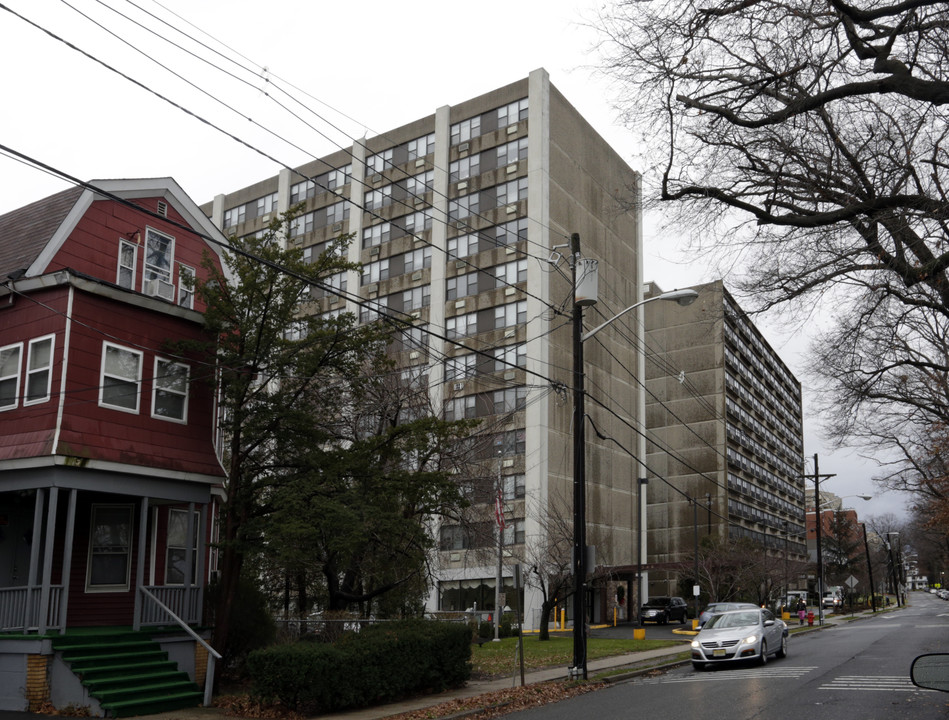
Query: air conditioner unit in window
(157, 287)
(337, 227)
(459, 386)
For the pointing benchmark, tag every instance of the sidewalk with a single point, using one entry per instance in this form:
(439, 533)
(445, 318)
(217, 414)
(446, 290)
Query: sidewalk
(636, 662)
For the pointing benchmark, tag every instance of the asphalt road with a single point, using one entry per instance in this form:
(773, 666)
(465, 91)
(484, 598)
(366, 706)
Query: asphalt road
(856, 670)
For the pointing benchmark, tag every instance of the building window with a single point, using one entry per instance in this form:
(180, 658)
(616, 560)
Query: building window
(510, 400)
(376, 199)
(418, 185)
(514, 533)
(416, 298)
(506, 358)
(513, 487)
(460, 408)
(39, 370)
(512, 152)
(464, 168)
(110, 544)
(465, 130)
(266, 204)
(186, 286)
(159, 253)
(460, 367)
(511, 192)
(461, 286)
(10, 376)
(235, 215)
(511, 273)
(510, 314)
(176, 552)
(462, 246)
(121, 378)
(378, 162)
(128, 254)
(375, 235)
(375, 271)
(417, 259)
(461, 325)
(170, 391)
(420, 147)
(464, 206)
(417, 222)
(512, 113)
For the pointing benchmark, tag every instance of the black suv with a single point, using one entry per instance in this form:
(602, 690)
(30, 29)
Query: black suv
(662, 610)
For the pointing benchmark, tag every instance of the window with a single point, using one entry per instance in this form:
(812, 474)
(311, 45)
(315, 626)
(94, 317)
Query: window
(234, 216)
(39, 370)
(416, 337)
(417, 259)
(461, 325)
(176, 552)
(514, 533)
(460, 408)
(378, 162)
(511, 273)
(511, 192)
(461, 286)
(417, 298)
(510, 314)
(420, 147)
(10, 376)
(170, 391)
(509, 233)
(512, 113)
(464, 168)
(375, 271)
(462, 246)
(464, 206)
(266, 204)
(186, 286)
(110, 543)
(460, 367)
(121, 378)
(465, 130)
(506, 358)
(417, 222)
(512, 152)
(159, 251)
(128, 254)
(509, 400)
(513, 487)
(418, 185)
(375, 199)
(375, 235)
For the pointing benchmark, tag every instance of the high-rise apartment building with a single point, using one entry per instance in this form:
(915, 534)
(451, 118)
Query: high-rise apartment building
(461, 221)
(726, 438)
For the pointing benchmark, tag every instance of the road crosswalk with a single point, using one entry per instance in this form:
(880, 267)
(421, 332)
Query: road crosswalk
(889, 683)
(861, 683)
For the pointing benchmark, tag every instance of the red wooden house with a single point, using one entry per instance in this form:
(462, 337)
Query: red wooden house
(108, 462)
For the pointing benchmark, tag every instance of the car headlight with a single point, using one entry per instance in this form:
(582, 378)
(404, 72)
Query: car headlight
(751, 639)
(696, 644)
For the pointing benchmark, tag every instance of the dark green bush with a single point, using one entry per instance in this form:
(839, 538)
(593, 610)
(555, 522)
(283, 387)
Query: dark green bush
(382, 663)
(485, 629)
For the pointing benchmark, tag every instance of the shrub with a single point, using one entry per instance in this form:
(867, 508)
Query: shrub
(379, 664)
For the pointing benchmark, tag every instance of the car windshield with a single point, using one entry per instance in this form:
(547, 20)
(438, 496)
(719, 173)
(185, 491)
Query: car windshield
(730, 620)
(659, 602)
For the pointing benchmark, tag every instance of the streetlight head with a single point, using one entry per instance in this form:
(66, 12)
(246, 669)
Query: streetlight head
(865, 497)
(682, 297)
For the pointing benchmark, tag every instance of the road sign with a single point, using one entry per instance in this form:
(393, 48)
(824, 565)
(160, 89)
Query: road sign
(852, 582)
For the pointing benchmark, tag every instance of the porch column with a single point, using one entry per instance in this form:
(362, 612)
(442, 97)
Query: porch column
(48, 560)
(186, 611)
(67, 557)
(35, 534)
(140, 567)
(201, 574)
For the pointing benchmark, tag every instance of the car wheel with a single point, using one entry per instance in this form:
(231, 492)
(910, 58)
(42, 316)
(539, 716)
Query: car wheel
(783, 650)
(684, 618)
(763, 658)
(700, 666)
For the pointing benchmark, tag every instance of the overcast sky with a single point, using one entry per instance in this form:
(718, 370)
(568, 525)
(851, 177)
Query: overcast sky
(358, 68)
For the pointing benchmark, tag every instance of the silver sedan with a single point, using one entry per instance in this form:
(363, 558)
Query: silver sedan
(740, 635)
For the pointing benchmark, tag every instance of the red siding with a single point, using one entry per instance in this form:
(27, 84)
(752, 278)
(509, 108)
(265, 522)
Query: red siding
(91, 431)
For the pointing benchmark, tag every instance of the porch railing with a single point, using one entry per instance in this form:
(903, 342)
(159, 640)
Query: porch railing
(20, 608)
(181, 602)
(168, 613)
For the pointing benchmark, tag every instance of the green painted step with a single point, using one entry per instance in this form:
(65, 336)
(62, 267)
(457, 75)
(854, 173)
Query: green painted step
(128, 673)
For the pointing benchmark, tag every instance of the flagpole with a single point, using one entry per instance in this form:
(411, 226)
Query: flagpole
(499, 518)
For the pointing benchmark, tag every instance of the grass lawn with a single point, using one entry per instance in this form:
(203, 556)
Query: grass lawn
(497, 658)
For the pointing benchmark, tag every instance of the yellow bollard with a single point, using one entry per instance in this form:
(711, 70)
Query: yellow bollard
(639, 633)
(695, 623)
(614, 617)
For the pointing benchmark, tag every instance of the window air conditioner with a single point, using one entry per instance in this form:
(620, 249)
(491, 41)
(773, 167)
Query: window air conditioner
(459, 386)
(157, 287)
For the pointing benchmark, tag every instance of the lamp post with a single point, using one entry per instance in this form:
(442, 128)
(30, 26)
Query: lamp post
(583, 296)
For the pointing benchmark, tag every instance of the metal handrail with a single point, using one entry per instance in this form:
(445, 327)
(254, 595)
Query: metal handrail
(213, 655)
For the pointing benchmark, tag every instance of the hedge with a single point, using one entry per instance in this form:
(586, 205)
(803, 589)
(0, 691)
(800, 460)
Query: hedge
(384, 662)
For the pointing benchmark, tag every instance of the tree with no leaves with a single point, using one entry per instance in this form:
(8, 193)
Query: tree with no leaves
(806, 141)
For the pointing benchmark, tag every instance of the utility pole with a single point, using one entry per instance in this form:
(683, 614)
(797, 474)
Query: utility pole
(579, 479)
(866, 547)
(819, 521)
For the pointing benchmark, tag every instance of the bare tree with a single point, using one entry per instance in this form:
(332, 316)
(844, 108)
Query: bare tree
(811, 134)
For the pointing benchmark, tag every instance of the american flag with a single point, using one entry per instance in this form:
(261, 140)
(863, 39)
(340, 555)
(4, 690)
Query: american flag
(499, 509)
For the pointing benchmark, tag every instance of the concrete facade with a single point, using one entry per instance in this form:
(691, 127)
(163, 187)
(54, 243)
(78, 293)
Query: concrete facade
(725, 421)
(461, 221)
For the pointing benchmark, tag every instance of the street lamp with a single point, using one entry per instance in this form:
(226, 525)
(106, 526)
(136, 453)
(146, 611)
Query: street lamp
(583, 296)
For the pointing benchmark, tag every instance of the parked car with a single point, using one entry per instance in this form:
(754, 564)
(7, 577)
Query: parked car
(740, 635)
(718, 608)
(663, 610)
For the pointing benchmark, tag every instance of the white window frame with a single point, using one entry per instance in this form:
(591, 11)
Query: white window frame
(149, 270)
(181, 548)
(47, 368)
(132, 269)
(186, 293)
(106, 346)
(15, 375)
(102, 587)
(157, 377)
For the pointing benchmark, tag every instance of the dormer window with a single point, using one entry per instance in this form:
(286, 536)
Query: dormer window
(159, 254)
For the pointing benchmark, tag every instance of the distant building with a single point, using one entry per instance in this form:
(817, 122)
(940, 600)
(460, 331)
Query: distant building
(726, 439)
(461, 222)
(107, 452)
